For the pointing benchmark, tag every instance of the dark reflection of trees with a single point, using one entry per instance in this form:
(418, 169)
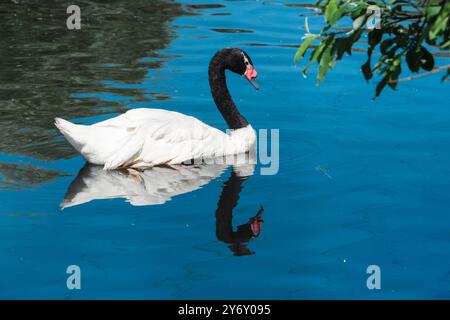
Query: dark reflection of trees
(17, 176)
(224, 218)
(43, 64)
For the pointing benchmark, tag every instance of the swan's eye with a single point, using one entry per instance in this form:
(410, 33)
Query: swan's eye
(245, 59)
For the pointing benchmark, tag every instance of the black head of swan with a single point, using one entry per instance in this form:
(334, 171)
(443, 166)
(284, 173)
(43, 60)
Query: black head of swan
(237, 61)
(144, 137)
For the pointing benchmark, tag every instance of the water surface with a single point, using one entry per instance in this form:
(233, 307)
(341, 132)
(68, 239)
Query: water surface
(361, 182)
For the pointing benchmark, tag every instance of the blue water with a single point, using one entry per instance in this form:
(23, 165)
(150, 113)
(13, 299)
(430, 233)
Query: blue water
(361, 181)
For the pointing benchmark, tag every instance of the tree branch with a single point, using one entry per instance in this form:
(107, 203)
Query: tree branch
(435, 70)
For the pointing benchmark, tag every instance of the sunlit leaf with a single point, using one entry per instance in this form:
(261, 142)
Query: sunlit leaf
(324, 63)
(432, 11)
(330, 10)
(304, 46)
(395, 71)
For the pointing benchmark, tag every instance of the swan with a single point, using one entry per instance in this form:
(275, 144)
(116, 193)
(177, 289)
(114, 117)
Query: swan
(143, 138)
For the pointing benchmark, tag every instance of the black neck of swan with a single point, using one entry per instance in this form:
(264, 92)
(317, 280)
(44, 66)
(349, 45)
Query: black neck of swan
(220, 93)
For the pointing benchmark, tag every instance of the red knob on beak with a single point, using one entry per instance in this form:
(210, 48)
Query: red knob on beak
(251, 74)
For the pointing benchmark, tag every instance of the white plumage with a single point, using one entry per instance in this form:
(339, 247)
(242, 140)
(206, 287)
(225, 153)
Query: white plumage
(142, 138)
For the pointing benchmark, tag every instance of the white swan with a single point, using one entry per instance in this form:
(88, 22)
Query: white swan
(142, 138)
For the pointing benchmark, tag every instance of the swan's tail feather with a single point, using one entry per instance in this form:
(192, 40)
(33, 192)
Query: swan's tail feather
(109, 146)
(72, 132)
(63, 125)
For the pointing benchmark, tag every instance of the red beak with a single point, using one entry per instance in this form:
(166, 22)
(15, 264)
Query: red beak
(251, 74)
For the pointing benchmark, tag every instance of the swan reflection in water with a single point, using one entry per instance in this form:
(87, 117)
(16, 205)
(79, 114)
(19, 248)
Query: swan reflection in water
(159, 184)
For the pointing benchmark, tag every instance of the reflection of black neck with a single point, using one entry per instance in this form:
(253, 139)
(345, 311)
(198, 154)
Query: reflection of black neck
(224, 217)
(220, 93)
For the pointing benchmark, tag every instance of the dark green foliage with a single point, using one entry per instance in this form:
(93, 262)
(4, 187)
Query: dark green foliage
(406, 31)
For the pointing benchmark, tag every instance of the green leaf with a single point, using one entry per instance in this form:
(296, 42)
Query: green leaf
(317, 52)
(412, 59)
(395, 71)
(377, 66)
(358, 11)
(432, 11)
(366, 70)
(354, 38)
(426, 59)
(381, 85)
(439, 25)
(331, 9)
(303, 47)
(386, 44)
(325, 63)
(375, 37)
(342, 45)
(366, 67)
(445, 44)
(342, 10)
